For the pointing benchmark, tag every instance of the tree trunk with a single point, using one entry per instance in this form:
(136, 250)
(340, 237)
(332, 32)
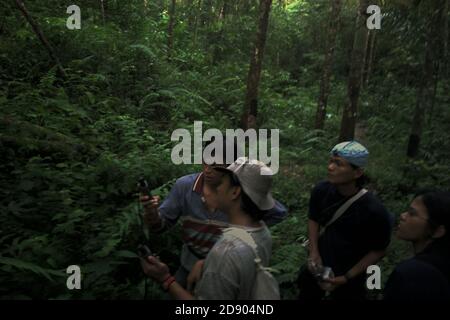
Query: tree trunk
(206, 13)
(224, 9)
(191, 14)
(254, 74)
(42, 38)
(421, 103)
(327, 65)
(198, 16)
(350, 111)
(433, 52)
(446, 59)
(102, 8)
(369, 57)
(170, 30)
(433, 96)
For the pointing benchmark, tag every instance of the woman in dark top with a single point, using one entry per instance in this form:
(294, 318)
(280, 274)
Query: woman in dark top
(426, 276)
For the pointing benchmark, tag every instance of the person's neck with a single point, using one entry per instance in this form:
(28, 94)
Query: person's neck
(348, 189)
(241, 218)
(420, 245)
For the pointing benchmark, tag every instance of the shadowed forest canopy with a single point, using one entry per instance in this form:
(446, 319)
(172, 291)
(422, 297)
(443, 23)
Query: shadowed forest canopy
(85, 112)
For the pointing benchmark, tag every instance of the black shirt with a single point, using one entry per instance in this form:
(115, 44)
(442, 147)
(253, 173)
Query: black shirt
(365, 226)
(424, 277)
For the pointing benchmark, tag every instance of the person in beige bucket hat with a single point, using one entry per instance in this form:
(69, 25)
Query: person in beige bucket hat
(255, 179)
(230, 268)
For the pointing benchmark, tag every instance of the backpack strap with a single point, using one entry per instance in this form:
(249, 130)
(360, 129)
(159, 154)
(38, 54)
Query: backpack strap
(339, 212)
(245, 237)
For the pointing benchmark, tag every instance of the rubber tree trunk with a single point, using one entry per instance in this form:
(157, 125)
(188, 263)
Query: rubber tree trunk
(350, 111)
(333, 27)
(170, 29)
(250, 111)
(433, 53)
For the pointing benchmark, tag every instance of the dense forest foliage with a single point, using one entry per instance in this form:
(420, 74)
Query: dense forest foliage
(85, 112)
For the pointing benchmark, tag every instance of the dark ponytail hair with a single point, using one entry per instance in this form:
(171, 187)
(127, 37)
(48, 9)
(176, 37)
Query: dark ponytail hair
(438, 208)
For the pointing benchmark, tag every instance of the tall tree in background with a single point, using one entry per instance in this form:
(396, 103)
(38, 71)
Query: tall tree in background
(206, 12)
(224, 9)
(170, 29)
(349, 114)
(102, 9)
(41, 36)
(368, 61)
(248, 118)
(336, 6)
(433, 56)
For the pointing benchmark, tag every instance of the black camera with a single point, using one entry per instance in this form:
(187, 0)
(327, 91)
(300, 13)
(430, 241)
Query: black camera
(144, 251)
(143, 187)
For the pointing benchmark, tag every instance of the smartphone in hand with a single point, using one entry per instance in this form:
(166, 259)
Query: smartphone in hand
(144, 251)
(143, 187)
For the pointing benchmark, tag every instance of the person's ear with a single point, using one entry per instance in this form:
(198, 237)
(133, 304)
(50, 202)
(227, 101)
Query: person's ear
(358, 172)
(439, 232)
(236, 192)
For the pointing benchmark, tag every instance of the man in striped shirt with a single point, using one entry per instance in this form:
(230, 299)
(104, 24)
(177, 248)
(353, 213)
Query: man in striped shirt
(191, 200)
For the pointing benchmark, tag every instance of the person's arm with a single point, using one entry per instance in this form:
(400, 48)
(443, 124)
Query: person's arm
(179, 293)
(377, 237)
(159, 271)
(166, 215)
(314, 258)
(369, 259)
(314, 209)
(275, 215)
(151, 214)
(195, 275)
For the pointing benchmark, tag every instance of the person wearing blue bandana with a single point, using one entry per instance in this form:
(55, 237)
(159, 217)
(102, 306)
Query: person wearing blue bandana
(349, 229)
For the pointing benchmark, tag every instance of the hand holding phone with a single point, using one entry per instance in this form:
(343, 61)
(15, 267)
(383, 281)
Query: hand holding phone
(144, 251)
(143, 187)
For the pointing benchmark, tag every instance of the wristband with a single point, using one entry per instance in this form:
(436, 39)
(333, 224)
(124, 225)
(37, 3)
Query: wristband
(166, 278)
(166, 284)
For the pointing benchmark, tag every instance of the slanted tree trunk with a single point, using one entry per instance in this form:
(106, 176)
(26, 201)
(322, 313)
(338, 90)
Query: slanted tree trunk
(327, 65)
(41, 36)
(248, 118)
(350, 111)
(170, 29)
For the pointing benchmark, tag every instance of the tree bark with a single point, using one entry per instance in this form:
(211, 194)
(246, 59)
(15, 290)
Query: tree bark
(170, 30)
(190, 14)
(423, 95)
(41, 36)
(102, 8)
(198, 16)
(350, 111)
(433, 52)
(224, 9)
(254, 74)
(369, 57)
(206, 13)
(327, 65)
